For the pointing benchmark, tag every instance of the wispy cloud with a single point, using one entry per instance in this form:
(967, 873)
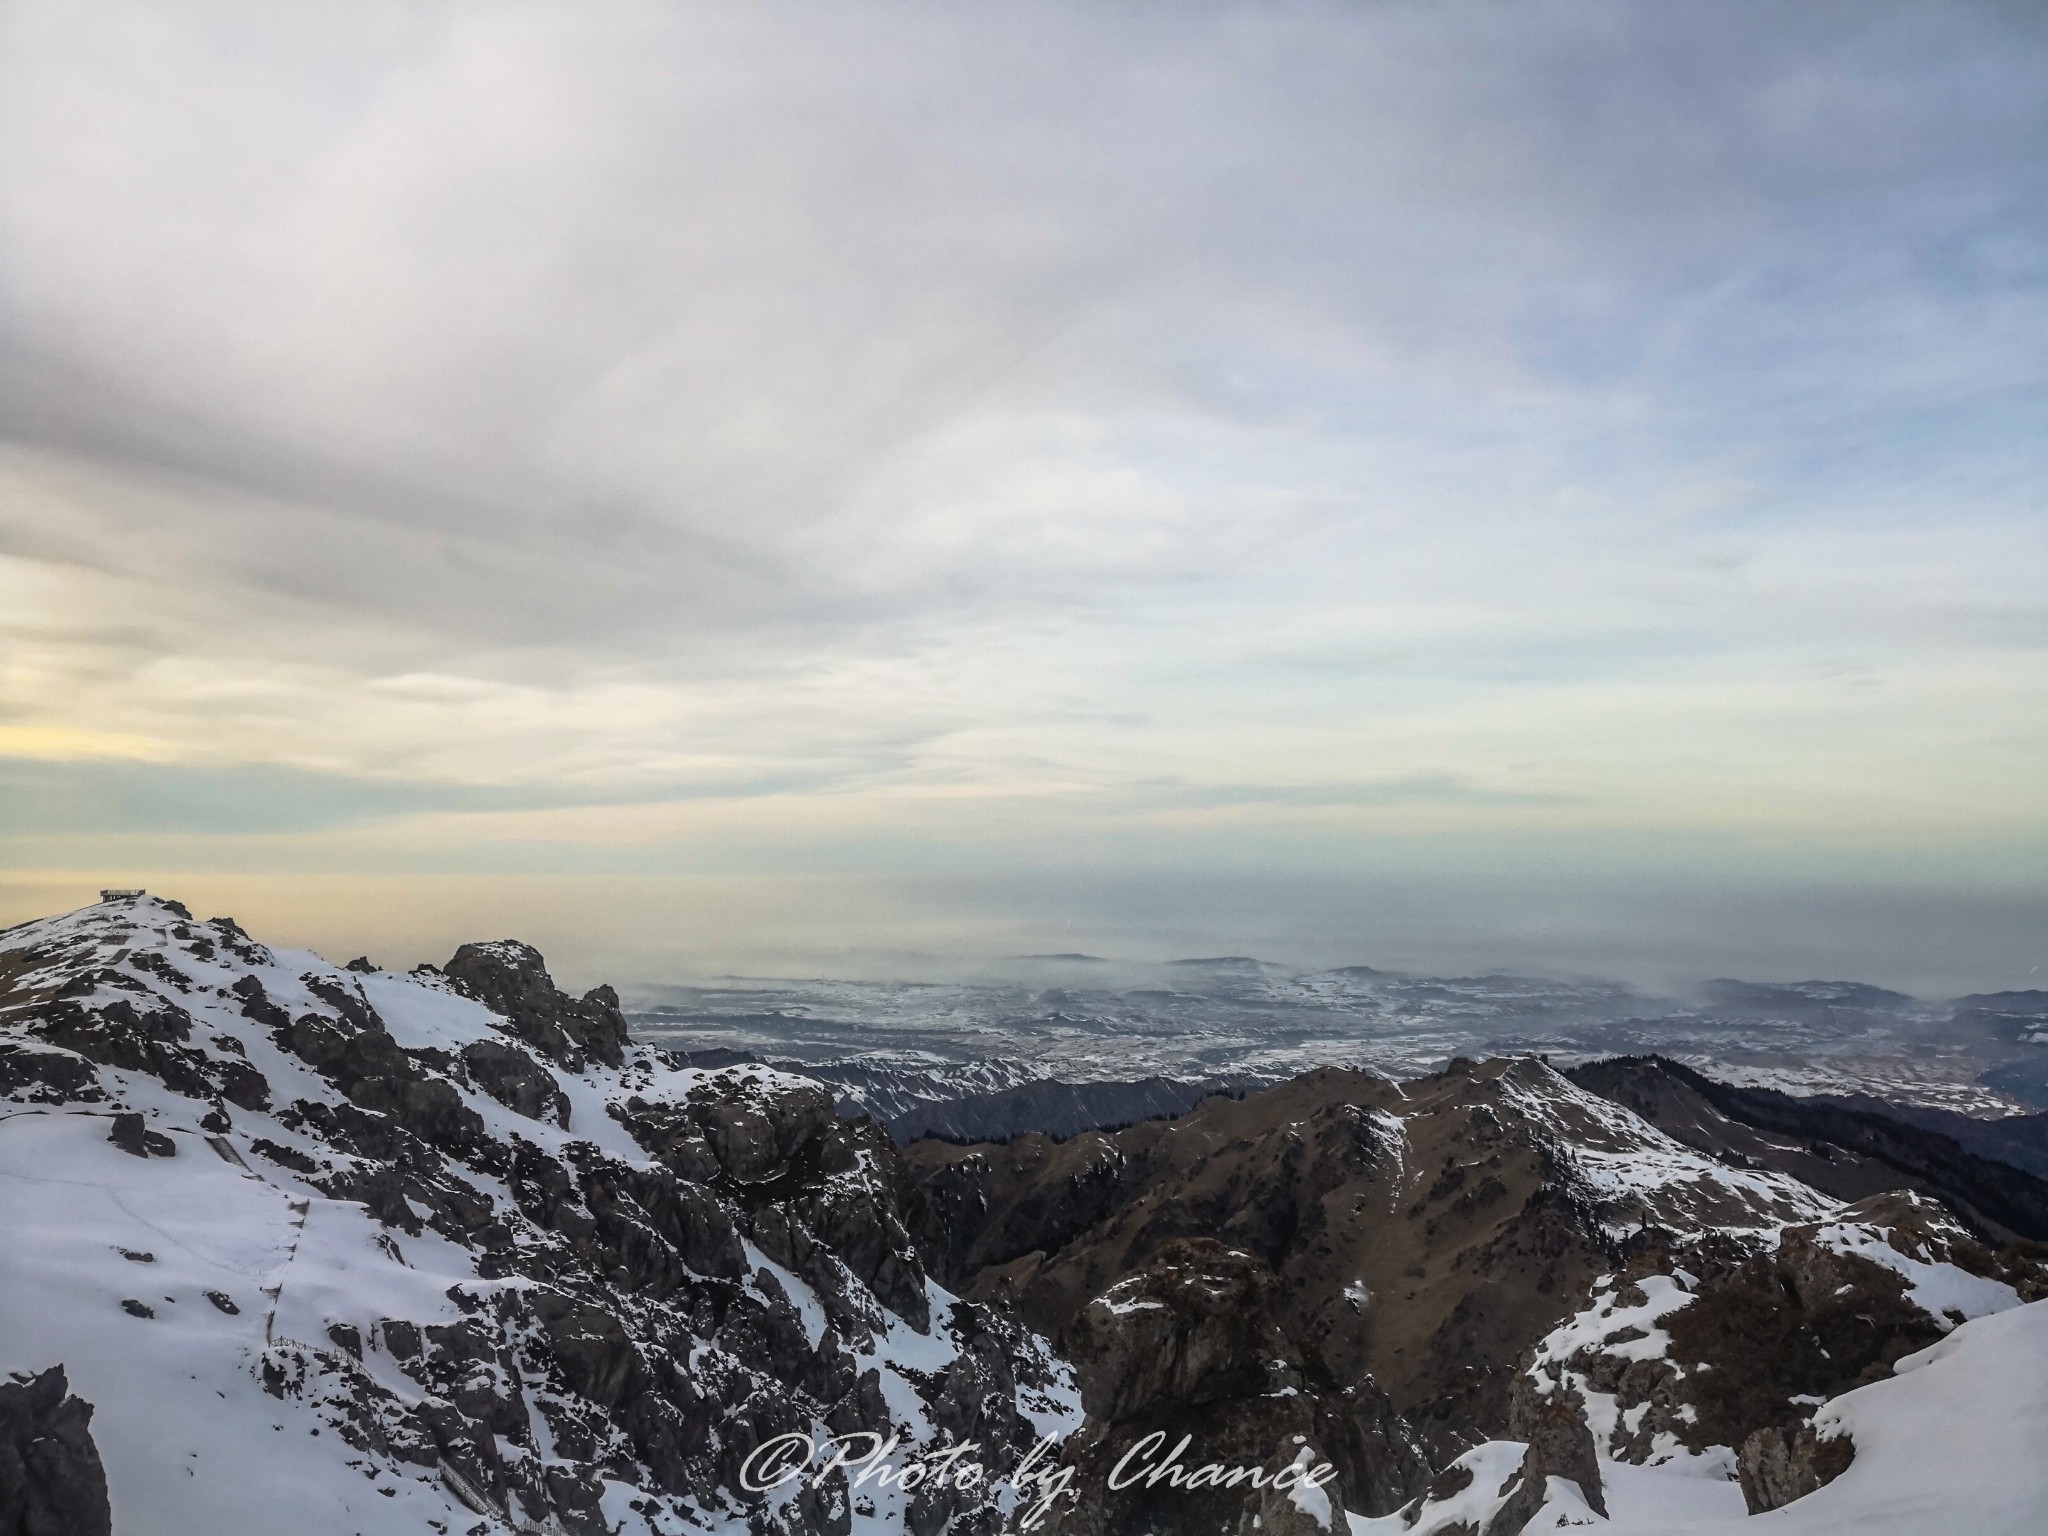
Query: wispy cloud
(1605, 415)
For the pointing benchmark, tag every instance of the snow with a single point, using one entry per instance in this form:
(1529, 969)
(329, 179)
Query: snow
(339, 1272)
(1686, 1487)
(1492, 1465)
(1628, 1164)
(1595, 1328)
(1129, 1305)
(192, 1441)
(795, 1291)
(1122, 1299)
(1609, 1315)
(193, 1446)
(1951, 1443)
(420, 1014)
(1309, 1499)
(1938, 1289)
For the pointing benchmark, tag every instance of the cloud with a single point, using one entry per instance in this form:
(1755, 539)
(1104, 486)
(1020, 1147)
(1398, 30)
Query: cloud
(836, 415)
(1418, 788)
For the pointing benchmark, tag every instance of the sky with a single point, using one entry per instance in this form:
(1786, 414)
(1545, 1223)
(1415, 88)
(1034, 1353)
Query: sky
(864, 488)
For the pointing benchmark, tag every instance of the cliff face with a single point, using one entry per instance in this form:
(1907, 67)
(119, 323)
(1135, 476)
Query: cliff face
(1192, 1349)
(420, 1250)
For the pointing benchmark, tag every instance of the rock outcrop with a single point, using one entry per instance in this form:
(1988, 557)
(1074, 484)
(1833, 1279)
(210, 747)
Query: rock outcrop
(1559, 1444)
(51, 1480)
(1191, 1353)
(1781, 1463)
(512, 980)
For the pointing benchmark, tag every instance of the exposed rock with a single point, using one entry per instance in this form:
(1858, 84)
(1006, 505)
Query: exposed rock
(1425, 1235)
(516, 1080)
(1805, 1321)
(1559, 1445)
(136, 1139)
(51, 1480)
(511, 979)
(354, 1051)
(1778, 1464)
(37, 1075)
(1192, 1346)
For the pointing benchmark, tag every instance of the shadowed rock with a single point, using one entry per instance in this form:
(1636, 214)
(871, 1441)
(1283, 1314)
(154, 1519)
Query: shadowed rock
(512, 979)
(1193, 1346)
(1560, 1445)
(515, 1080)
(137, 1140)
(51, 1480)
(1779, 1464)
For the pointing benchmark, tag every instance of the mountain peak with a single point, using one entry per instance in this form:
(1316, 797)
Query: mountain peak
(421, 1248)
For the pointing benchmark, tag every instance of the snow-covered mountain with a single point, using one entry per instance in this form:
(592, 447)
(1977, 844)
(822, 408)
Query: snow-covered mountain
(1491, 1253)
(329, 1250)
(291, 1246)
(1947, 1438)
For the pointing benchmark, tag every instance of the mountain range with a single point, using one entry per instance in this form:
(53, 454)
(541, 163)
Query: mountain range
(1235, 1020)
(330, 1248)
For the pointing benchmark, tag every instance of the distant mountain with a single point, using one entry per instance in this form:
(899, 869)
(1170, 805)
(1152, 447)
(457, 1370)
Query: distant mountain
(1793, 998)
(2021, 1140)
(1233, 1016)
(2015, 1018)
(894, 1093)
(2030, 1005)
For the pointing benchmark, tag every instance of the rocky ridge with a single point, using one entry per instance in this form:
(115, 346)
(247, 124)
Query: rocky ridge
(1845, 1150)
(447, 1251)
(1492, 1252)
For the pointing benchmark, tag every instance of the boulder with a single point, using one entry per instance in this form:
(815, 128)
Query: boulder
(1781, 1463)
